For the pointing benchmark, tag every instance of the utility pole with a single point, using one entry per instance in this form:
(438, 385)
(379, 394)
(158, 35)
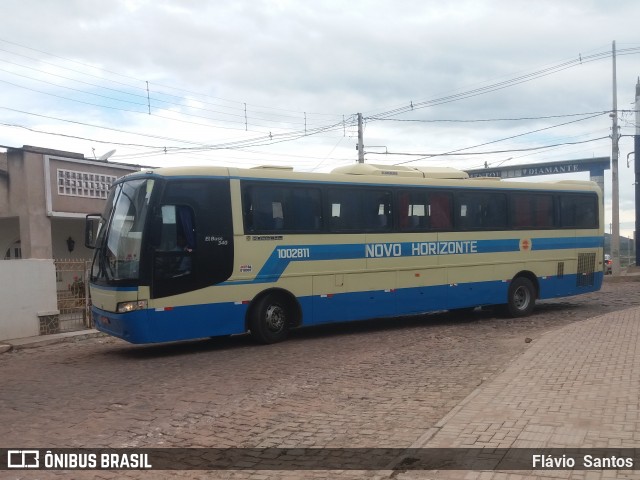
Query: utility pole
(615, 192)
(360, 140)
(636, 168)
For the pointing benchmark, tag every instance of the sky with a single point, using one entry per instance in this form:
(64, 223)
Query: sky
(255, 82)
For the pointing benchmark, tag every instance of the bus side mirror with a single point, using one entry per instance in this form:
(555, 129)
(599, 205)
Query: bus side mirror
(92, 222)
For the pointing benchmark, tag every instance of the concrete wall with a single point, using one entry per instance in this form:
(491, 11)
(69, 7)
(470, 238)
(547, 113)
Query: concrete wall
(80, 202)
(61, 229)
(27, 287)
(32, 191)
(9, 234)
(27, 201)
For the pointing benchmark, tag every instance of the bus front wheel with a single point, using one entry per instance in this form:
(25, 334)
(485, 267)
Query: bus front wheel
(522, 297)
(270, 319)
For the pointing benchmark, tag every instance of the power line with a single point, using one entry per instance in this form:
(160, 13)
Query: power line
(158, 137)
(75, 136)
(501, 140)
(499, 85)
(270, 139)
(144, 113)
(492, 119)
(455, 153)
(239, 103)
(462, 95)
(139, 104)
(279, 136)
(148, 100)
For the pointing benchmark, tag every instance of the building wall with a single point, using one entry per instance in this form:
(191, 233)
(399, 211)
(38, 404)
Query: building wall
(27, 290)
(27, 201)
(79, 185)
(4, 185)
(40, 186)
(39, 207)
(4, 194)
(62, 230)
(9, 234)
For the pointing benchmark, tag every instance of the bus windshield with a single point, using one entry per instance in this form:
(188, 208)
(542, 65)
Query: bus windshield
(119, 242)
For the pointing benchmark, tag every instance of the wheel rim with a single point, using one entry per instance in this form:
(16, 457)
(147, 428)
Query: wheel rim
(521, 298)
(275, 318)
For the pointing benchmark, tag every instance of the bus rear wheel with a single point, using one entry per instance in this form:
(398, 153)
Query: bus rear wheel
(521, 297)
(270, 319)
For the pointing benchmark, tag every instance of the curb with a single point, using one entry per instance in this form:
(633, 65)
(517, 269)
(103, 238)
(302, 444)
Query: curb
(622, 278)
(44, 340)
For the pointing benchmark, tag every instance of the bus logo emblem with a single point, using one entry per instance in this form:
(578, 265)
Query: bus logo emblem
(23, 458)
(525, 244)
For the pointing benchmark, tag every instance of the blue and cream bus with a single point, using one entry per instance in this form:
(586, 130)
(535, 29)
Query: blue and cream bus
(186, 253)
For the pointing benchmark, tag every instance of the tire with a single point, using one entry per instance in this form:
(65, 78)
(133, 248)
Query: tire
(522, 297)
(270, 319)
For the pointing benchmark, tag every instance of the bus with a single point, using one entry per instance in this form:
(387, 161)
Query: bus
(195, 252)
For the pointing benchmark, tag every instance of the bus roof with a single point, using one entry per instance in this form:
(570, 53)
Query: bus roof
(401, 171)
(370, 174)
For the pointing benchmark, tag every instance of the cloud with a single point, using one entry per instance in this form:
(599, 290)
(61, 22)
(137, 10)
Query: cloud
(289, 60)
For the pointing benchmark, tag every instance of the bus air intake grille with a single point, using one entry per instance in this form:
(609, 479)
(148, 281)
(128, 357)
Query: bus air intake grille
(586, 269)
(560, 269)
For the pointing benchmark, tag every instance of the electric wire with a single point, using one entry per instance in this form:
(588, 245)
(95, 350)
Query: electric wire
(501, 139)
(143, 90)
(280, 137)
(500, 85)
(453, 154)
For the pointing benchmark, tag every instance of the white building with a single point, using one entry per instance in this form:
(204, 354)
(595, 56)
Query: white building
(44, 198)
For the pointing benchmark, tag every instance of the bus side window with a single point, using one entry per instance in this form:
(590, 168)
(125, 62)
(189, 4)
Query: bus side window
(440, 211)
(169, 228)
(412, 211)
(579, 211)
(375, 210)
(404, 207)
(262, 218)
(544, 211)
(570, 211)
(495, 211)
(336, 221)
(178, 228)
(521, 211)
(306, 208)
(531, 210)
(345, 210)
(277, 216)
(177, 241)
(258, 212)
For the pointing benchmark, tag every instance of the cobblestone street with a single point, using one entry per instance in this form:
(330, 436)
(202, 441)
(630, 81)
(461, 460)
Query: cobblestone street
(374, 384)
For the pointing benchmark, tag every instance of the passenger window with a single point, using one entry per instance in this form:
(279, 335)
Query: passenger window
(344, 210)
(177, 242)
(376, 210)
(481, 211)
(579, 211)
(531, 210)
(413, 211)
(439, 211)
(360, 210)
(269, 208)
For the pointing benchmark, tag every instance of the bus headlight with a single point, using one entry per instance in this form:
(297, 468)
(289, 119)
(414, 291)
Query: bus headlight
(125, 307)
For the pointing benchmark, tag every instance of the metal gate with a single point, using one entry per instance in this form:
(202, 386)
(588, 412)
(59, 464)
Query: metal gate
(73, 294)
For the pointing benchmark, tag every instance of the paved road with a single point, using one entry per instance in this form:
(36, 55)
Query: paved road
(375, 384)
